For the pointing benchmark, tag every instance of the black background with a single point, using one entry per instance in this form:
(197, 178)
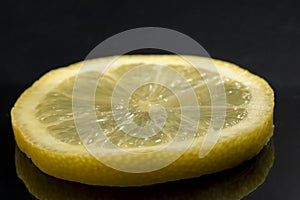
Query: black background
(263, 37)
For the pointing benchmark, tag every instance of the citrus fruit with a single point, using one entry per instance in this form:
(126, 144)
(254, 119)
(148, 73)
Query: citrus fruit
(43, 119)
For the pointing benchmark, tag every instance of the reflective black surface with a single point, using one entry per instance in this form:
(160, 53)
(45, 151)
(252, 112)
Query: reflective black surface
(263, 37)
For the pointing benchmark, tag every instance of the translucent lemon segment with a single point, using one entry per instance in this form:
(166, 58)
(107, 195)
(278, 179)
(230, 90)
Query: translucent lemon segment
(55, 111)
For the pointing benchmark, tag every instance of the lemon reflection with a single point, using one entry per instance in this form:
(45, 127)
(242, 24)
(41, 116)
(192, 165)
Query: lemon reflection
(229, 184)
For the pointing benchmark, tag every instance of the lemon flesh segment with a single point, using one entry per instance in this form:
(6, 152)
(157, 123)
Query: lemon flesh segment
(44, 127)
(55, 110)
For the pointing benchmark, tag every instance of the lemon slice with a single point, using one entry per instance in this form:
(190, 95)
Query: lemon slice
(44, 124)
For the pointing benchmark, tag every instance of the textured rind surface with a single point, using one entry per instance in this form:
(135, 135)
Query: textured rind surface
(81, 167)
(230, 184)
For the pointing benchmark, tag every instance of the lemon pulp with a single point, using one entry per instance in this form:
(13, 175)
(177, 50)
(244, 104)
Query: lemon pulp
(55, 110)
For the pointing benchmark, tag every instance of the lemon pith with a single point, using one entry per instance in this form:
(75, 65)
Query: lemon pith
(55, 148)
